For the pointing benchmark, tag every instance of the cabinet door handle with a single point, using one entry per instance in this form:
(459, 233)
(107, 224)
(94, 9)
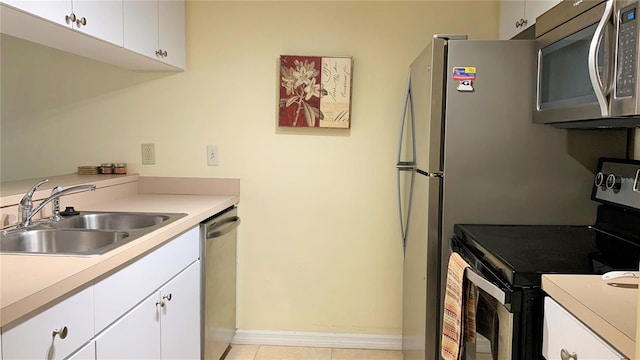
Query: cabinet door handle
(564, 355)
(161, 52)
(62, 333)
(161, 303)
(82, 21)
(70, 18)
(167, 297)
(521, 23)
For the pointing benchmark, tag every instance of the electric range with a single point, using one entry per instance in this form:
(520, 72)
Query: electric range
(507, 261)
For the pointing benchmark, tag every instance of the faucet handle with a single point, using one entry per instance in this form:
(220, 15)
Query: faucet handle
(55, 204)
(26, 199)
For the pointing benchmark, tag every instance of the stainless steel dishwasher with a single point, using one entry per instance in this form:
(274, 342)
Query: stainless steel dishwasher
(218, 255)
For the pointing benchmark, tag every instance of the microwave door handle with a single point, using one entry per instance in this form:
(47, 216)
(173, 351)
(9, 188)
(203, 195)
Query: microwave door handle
(596, 81)
(486, 286)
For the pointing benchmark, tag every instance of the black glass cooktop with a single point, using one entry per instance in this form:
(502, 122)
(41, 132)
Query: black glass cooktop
(522, 253)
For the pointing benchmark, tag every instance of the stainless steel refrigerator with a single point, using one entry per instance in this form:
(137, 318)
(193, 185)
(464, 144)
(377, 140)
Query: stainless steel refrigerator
(470, 153)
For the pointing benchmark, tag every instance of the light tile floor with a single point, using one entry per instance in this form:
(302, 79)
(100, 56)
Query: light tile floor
(263, 352)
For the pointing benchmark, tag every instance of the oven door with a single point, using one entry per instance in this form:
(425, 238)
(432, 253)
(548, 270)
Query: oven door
(495, 324)
(575, 65)
(497, 309)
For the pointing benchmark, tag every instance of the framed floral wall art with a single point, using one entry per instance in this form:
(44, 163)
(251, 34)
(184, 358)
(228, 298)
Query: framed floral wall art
(315, 91)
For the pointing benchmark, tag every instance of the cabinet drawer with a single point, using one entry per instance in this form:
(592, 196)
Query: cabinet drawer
(124, 289)
(33, 338)
(563, 331)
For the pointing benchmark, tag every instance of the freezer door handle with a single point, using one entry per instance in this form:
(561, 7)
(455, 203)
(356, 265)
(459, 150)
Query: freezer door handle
(486, 286)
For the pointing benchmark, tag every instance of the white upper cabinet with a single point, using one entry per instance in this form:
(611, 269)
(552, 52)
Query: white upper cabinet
(100, 19)
(57, 11)
(143, 35)
(516, 16)
(141, 26)
(155, 28)
(171, 37)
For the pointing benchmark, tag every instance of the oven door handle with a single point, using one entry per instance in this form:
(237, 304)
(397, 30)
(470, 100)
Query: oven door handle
(486, 286)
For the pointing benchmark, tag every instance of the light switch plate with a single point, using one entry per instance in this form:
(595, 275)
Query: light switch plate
(213, 156)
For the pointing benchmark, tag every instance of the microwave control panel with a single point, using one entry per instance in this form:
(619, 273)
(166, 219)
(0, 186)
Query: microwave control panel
(627, 39)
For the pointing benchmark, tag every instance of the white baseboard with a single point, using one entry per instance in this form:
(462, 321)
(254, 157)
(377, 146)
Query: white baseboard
(318, 339)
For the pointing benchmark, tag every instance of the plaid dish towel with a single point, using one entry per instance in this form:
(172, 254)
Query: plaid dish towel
(458, 323)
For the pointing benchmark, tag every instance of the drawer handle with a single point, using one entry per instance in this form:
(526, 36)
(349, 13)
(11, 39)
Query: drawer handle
(167, 297)
(564, 355)
(62, 333)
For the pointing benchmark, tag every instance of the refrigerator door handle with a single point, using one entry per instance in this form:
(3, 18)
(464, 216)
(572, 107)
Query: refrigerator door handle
(406, 165)
(431, 174)
(404, 223)
(406, 105)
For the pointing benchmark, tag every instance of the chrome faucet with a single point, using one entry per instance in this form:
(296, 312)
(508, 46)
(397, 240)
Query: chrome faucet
(27, 211)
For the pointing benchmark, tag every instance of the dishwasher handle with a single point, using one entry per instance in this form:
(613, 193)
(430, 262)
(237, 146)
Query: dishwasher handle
(220, 228)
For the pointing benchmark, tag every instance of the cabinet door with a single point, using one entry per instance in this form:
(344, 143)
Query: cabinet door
(103, 19)
(141, 26)
(562, 332)
(88, 352)
(535, 8)
(52, 10)
(134, 336)
(121, 291)
(181, 315)
(511, 14)
(171, 31)
(34, 338)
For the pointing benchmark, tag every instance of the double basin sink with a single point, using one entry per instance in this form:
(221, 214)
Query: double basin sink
(85, 234)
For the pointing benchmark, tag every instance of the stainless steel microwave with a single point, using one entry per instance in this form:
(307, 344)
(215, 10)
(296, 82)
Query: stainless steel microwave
(587, 72)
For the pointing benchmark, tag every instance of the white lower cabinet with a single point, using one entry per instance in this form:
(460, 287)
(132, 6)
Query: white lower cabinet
(135, 336)
(54, 333)
(164, 326)
(87, 352)
(566, 337)
(150, 309)
(181, 310)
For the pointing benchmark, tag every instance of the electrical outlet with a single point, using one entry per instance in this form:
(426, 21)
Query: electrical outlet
(213, 156)
(148, 154)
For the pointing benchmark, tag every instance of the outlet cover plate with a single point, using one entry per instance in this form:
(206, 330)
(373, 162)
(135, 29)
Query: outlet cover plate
(148, 154)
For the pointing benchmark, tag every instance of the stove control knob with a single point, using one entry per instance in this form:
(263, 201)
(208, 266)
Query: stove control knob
(600, 179)
(613, 182)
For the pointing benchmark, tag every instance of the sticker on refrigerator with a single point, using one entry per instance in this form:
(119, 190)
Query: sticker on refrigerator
(464, 73)
(465, 85)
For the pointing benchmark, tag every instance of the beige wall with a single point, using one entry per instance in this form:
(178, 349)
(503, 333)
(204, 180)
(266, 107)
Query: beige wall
(319, 242)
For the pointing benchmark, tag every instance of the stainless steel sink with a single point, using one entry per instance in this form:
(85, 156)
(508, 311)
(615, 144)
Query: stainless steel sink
(86, 234)
(63, 241)
(112, 221)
